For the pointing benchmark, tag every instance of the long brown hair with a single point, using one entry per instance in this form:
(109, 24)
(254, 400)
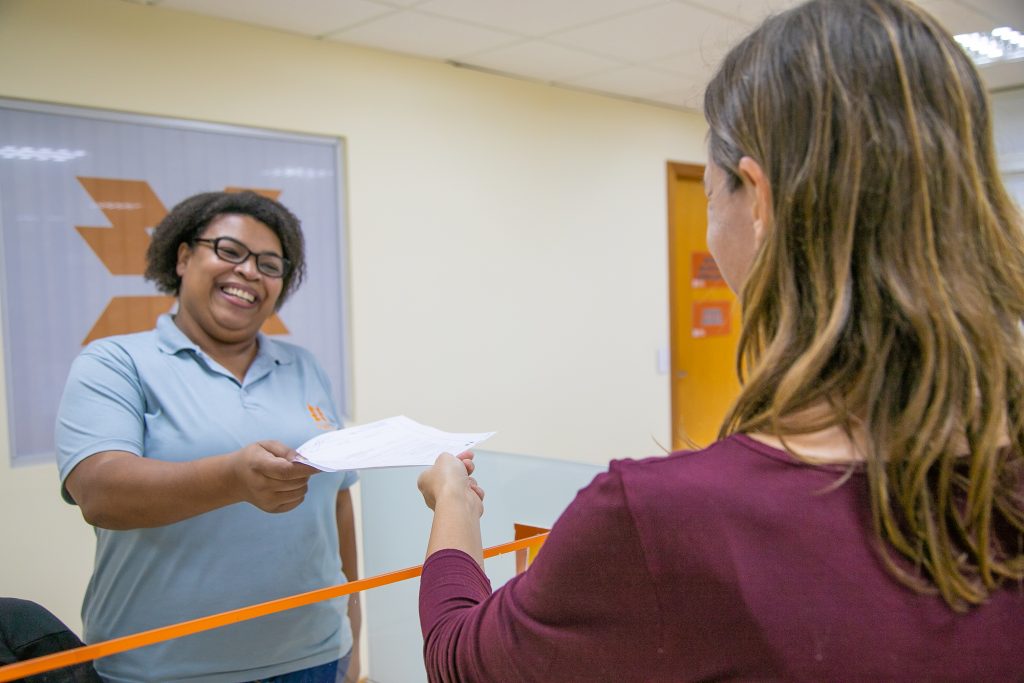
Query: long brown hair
(890, 287)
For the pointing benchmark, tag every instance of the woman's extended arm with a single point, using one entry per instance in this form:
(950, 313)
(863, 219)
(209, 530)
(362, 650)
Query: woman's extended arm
(100, 437)
(585, 610)
(120, 490)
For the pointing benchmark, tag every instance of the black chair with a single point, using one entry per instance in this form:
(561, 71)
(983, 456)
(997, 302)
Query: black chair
(29, 630)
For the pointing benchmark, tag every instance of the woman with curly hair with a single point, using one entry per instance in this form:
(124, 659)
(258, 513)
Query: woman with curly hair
(861, 516)
(178, 446)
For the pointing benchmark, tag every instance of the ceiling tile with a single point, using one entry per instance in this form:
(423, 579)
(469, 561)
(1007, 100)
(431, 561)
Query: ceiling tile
(956, 17)
(540, 60)
(310, 17)
(694, 101)
(687, 92)
(653, 33)
(633, 81)
(410, 32)
(1003, 76)
(699, 63)
(652, 50)
(1001, 12)
(747, 11)
(532, 17)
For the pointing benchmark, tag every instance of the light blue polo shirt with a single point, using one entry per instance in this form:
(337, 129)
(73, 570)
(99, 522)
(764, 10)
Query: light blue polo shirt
(156, 394)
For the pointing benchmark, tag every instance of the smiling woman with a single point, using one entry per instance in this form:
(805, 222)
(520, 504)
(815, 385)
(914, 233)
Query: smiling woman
(162, 434)
(225, 297)
(189, 221)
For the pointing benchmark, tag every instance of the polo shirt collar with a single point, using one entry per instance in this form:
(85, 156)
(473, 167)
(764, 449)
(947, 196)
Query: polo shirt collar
(273, 351)
(169, 337)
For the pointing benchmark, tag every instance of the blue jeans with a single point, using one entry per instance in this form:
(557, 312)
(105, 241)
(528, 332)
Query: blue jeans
(325, 673)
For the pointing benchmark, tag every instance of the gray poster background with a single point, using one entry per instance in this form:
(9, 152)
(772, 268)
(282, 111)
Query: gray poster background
(53, 285)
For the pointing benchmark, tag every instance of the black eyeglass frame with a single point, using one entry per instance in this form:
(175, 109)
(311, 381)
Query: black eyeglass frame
(260, 257)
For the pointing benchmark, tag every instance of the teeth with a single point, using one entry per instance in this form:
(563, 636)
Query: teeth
(241, 294)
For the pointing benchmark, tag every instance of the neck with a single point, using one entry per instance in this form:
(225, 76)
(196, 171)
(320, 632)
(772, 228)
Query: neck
(833, 445)
(830, 445)
(802, 435)
(234, 355)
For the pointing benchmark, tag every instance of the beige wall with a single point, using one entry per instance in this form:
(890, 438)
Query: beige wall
(508, 240)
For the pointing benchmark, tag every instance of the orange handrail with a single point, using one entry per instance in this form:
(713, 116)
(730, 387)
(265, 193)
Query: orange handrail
(58, 660)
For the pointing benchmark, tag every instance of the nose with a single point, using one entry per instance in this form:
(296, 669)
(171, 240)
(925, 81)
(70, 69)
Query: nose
(247, 268)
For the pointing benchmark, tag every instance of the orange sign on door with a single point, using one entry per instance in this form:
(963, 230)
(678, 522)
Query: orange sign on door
(711, 318)
(704, 271)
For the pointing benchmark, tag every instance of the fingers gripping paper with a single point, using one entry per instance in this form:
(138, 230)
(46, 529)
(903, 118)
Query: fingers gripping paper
(393, 442)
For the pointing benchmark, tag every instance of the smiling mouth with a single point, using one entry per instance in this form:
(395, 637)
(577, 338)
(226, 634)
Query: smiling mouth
(240, 294)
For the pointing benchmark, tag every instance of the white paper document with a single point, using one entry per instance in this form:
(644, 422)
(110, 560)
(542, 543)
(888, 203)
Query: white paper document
(393, 442)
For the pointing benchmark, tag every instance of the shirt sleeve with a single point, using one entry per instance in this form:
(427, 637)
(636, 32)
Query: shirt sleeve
(102, 408)
(588, 594)
(350, 478)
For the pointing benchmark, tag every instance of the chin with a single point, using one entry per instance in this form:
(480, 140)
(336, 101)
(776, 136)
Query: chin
(240, 330)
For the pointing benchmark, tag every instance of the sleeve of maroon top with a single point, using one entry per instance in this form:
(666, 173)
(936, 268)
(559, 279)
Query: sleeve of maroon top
(585, 610)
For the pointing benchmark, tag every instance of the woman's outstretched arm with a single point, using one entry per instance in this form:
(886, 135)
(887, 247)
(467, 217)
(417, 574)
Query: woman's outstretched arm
(585, 610)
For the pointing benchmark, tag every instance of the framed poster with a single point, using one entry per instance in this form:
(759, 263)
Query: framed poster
(80, 191)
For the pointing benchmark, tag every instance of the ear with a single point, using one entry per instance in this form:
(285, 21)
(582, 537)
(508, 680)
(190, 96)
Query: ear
(184, 254)
(756, 183)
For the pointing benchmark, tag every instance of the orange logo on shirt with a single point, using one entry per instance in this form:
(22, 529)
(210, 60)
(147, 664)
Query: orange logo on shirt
(318, 416)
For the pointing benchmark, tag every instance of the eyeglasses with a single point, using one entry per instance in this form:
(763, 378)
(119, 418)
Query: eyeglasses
(231, 250)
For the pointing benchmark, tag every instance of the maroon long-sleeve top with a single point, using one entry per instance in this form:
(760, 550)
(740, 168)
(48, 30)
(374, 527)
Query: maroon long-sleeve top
(737, 562)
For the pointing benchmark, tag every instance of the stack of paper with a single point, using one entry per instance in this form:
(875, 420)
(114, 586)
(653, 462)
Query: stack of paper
(394, 442)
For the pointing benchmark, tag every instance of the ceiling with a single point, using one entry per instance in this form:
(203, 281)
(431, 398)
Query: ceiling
(657, 51)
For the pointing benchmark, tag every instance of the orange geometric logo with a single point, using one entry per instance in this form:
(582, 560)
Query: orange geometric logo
(133, 209)
(318, 416)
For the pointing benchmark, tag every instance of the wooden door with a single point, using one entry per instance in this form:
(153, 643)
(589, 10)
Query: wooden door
(704, 317)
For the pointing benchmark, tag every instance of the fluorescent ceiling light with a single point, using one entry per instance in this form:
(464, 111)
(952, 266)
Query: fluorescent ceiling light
(1002, 44)
(40, 153)
(298, 172)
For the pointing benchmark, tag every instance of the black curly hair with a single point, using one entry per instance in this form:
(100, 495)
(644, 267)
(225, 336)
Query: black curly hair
(186, 221)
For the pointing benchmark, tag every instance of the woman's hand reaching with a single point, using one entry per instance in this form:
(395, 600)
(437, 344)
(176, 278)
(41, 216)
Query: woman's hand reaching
(120, 490)
(267, 477)
(451, 476)
(450, 490)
